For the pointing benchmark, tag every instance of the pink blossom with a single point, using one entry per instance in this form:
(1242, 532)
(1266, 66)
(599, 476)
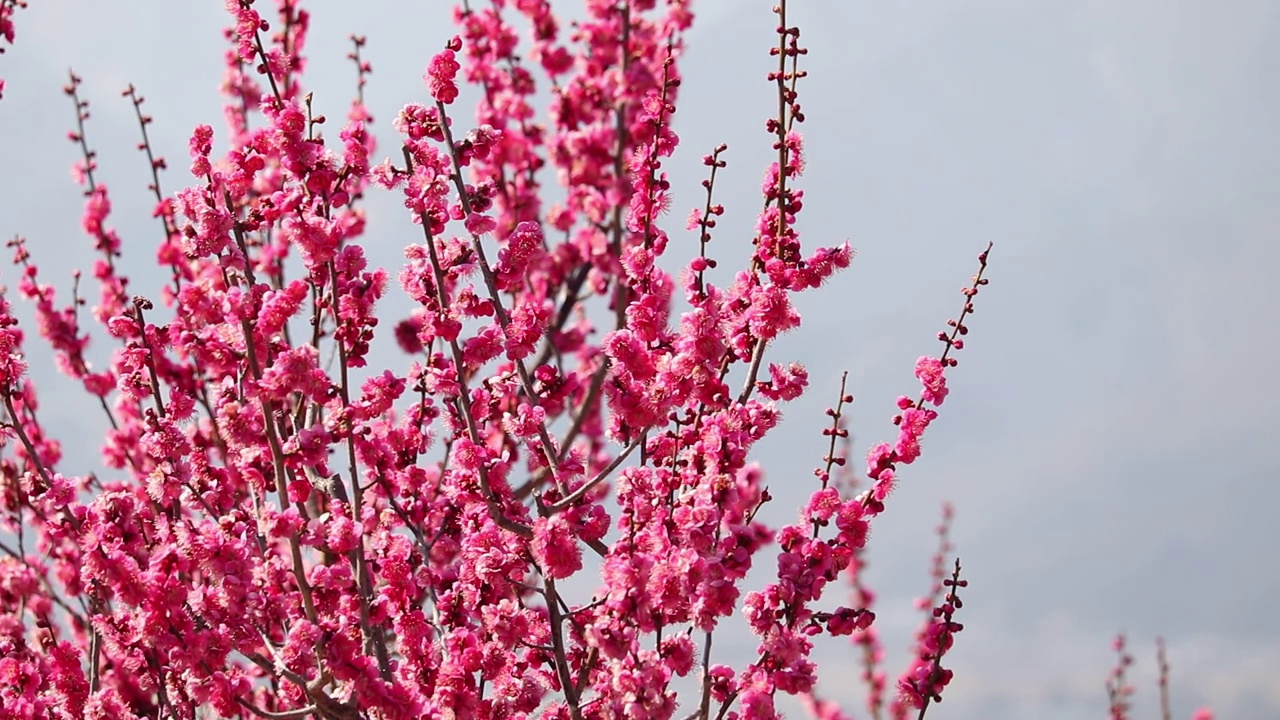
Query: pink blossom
(441, 72)
(555, 547)
(929, 371)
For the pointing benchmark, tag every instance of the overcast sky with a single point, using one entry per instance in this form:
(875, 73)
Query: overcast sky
(1110, 441)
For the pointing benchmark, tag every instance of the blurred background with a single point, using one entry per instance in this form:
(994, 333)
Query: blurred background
(1110, 442)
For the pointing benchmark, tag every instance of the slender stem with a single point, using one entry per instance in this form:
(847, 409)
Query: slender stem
(372, 636)
(464, 395)
(140, 304)
(561, 658)
(491, 284)
(599, 478)
(268, 418)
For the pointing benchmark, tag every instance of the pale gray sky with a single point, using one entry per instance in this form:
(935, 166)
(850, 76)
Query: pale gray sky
(1110, 438)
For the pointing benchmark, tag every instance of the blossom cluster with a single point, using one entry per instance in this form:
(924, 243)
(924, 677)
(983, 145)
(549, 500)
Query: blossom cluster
(7, 28)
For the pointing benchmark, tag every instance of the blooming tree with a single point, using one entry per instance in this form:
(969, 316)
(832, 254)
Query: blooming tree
(278, 542)
(276, 538)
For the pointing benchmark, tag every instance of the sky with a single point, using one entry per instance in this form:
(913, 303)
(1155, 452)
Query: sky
(1109, 442)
